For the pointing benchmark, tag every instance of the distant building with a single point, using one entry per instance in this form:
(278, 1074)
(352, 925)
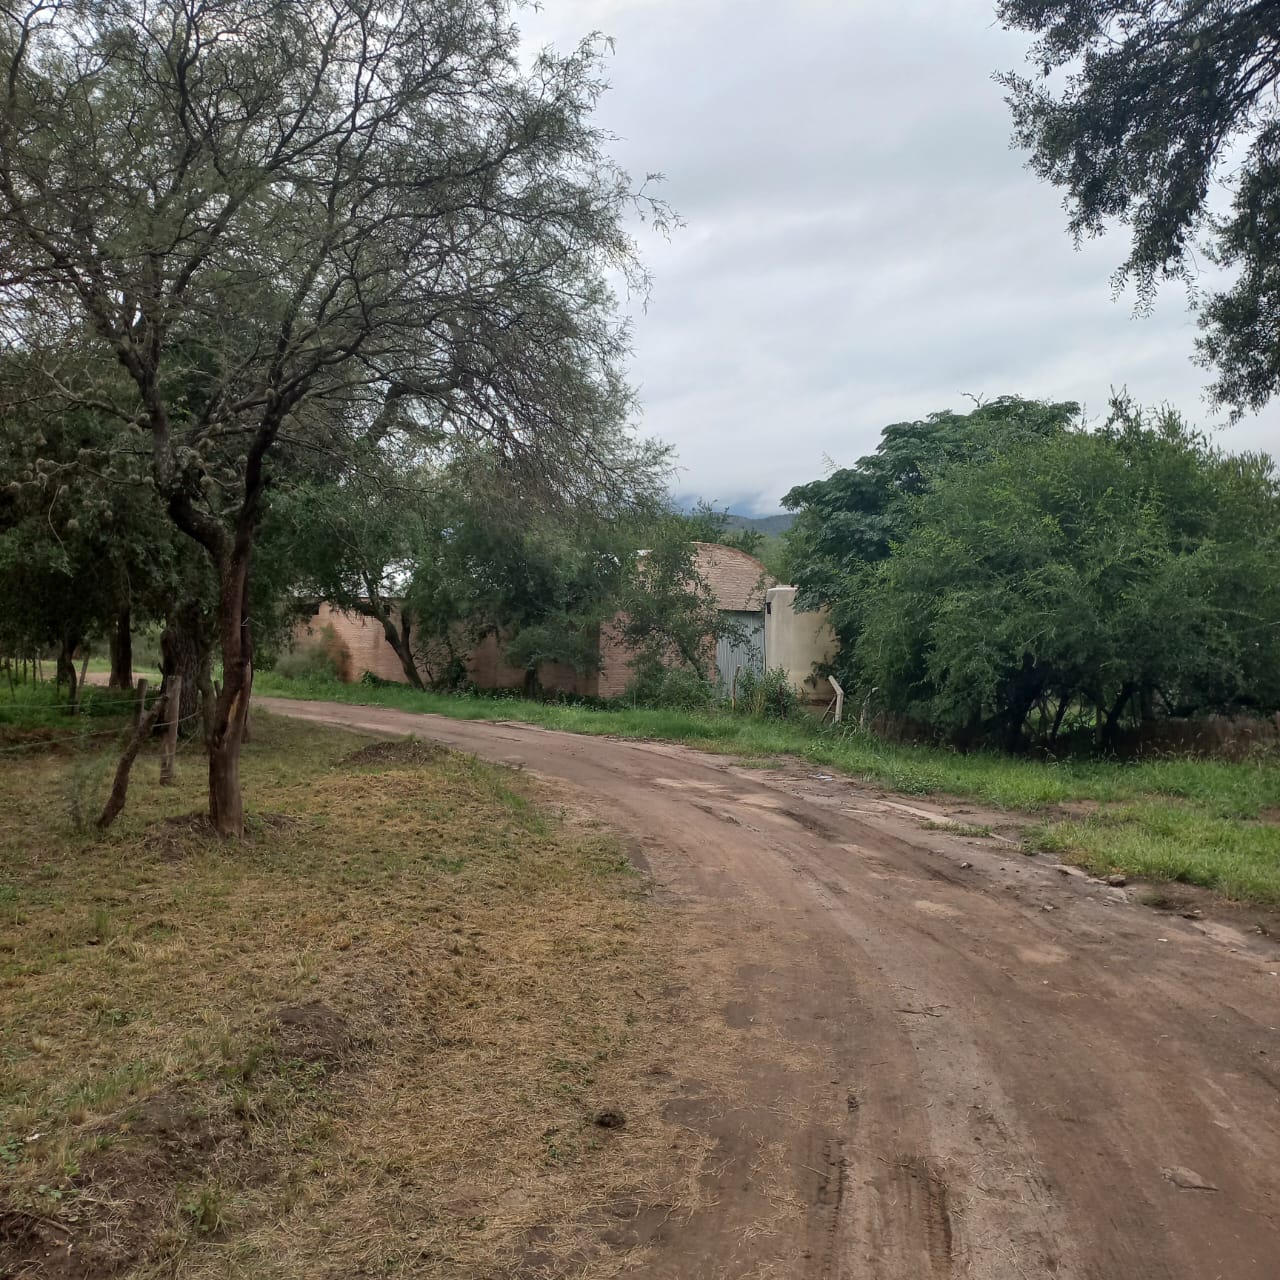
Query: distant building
(737, 581)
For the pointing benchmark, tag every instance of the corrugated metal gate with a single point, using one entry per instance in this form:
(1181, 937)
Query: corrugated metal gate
(734, 653)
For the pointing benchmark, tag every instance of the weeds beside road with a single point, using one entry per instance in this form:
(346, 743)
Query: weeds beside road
(1205, 822)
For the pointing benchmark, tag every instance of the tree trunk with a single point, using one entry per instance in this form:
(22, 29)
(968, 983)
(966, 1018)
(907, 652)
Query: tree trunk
(208, 702)
(1063, 704)
(226, 804)
(120, 787)
(121, 652)
(231, 712)
(1112, 722)
(397, 636)
(169, 749)
(185, 650)
(67, 671)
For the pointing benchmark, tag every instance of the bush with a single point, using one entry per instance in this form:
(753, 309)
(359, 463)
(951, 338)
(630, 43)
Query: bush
(326, 658)
(674, 688)
(766, 697)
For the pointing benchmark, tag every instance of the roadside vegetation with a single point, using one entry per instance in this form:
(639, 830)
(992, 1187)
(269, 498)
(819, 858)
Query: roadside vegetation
(1020, 578)
(382, 1030)
(37, 711)
(1207, 822)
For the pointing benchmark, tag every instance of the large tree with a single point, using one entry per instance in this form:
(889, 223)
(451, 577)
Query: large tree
(85, 550)
(1086, 576)
(847, 523)
(1140, 111)
(308, 225)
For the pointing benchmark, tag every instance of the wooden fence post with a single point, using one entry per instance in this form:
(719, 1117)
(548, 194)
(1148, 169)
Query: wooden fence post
(170, 748)
(75, 702)
(141, 708)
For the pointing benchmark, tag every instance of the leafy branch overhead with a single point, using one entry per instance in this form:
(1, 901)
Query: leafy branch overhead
(1143, 113)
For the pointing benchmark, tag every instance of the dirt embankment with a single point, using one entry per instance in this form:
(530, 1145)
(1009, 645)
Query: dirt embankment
(928, 1056)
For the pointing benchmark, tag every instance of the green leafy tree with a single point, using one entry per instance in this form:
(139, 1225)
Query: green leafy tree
(667, 613)
(300, 227)
(707, 523)
(84, 546)
(1103, 576)
(847, 523)
(355, 542)
(444, 553)
(1138, 111)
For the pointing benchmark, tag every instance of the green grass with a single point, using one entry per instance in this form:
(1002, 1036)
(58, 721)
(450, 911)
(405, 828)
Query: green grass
(1192, 820)
(149, 669)
(1158, 841)
(45, 706)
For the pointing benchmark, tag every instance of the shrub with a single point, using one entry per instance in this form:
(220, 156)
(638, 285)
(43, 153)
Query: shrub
(676, 688)
(325, 658)
(766, 697)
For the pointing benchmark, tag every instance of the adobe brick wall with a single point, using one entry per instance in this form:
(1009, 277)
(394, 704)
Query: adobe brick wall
(488, 669)
(485, 666)
(615, 672)
(362, 636)
(736, 579)
(738, 582)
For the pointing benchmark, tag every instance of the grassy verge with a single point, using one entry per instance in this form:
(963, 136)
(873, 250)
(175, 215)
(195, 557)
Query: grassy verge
(1207, 822)
(375, 1038)
(41, 712)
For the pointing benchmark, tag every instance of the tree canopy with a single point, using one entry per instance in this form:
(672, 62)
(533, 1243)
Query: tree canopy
(1138, 111)
(298, 228)
(848, 522)
(1010, 574)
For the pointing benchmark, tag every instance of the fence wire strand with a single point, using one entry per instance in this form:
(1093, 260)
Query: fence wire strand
(84, 737)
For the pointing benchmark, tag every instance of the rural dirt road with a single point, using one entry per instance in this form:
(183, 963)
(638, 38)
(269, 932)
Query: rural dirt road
(947, 1060)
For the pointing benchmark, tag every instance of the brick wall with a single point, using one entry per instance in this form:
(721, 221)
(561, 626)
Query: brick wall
(734, 577)
(738, 581)
(615, 672)
(486, 668)
(364, 640)
(489, 670)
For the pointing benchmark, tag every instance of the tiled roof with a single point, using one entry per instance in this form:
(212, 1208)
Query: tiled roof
(737, 580)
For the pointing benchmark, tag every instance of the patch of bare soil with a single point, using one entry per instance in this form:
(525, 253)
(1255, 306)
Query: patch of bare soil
(1195, 903)
(179, 834)
(400, 751)
(313, 1032)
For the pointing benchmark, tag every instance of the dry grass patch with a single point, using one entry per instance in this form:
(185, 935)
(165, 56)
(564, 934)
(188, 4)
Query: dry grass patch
(411, 1026)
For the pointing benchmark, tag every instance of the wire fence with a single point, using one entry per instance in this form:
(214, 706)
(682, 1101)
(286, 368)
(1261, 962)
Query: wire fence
(122, 699)
(43, 744)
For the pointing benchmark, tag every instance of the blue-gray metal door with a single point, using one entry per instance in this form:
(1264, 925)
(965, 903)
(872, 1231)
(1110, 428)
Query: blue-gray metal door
(744, 650)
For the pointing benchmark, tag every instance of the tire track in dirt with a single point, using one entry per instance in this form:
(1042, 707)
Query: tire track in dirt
(947, 1062)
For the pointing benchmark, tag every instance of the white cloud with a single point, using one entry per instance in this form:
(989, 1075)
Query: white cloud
(861, 246)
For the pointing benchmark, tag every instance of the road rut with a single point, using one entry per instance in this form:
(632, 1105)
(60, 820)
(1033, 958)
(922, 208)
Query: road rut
(950, 1060)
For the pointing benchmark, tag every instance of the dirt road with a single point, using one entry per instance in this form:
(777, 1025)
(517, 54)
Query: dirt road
(946, 1060)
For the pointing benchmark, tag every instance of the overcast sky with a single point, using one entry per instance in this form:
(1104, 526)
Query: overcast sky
(862, 246)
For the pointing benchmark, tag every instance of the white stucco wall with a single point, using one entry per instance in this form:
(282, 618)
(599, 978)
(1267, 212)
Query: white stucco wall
(796, 641)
